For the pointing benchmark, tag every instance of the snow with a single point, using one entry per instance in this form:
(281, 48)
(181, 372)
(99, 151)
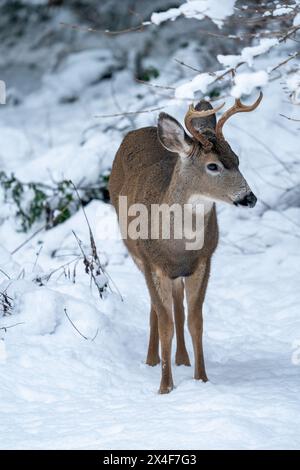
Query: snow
(198, 9)
(282, 11)
(15, 147)
(72, 365)
(245, 83)
(74, 74)
(171, 14)
(296, 21)
(65, 162)
(200, 82)
(248, 53)
(293, 84)
(100, 394)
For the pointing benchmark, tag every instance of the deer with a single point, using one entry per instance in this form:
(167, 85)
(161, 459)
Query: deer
(166, 165)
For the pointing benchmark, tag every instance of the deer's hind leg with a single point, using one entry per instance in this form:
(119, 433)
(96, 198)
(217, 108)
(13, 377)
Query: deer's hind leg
(181, 357)
(160, 289)
(153, 348)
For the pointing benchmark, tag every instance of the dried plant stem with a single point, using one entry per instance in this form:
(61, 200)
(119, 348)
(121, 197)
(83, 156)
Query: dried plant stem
(78, 331)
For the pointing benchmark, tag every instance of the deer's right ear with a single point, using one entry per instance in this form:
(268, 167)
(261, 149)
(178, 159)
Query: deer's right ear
(172, 135)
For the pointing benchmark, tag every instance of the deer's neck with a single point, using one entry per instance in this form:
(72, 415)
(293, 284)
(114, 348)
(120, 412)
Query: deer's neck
(180, 192)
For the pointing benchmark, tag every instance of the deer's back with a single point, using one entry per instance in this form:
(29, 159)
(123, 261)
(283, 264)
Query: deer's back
(142, 168)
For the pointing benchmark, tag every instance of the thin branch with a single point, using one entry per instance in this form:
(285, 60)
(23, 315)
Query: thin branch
(37, 257)
(86, 29)
(180, 62)
(78, 331)
(28, 239)
(293, 56)
(47, 277)
(164, 87)
(289, 33)
(5, 328)
(38, 231)
(289, 118)
(130, 113)
(5, 274)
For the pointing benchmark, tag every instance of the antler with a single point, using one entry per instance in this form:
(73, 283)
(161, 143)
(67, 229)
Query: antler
(238, 107)
(192, 114)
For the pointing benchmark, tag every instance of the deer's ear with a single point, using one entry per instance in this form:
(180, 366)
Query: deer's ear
(172, 135)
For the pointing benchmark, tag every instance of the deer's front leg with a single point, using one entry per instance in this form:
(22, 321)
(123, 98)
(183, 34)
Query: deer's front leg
(162, 299)
(181, 357)
(196, 285)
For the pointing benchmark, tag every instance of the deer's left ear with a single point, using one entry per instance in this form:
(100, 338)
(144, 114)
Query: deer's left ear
(172, 135)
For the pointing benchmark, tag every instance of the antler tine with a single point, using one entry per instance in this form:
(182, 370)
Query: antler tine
(238, 107)
(193, 113)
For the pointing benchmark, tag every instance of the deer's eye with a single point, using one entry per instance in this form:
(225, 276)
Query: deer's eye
(212, 167)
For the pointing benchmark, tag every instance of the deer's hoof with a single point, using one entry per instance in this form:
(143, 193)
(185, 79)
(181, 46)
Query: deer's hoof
(202, 377)
(152, 361)
(182, 359)
(166, 387)
(165, 390)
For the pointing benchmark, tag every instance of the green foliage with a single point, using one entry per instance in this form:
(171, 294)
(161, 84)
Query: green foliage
(35, 202)
(214, 93)
(148, 73)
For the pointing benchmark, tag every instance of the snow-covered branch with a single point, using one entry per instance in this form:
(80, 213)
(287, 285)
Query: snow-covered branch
(257, 75)
(199, 9)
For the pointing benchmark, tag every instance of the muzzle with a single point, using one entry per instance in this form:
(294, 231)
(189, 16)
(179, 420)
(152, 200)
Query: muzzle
(248, 201)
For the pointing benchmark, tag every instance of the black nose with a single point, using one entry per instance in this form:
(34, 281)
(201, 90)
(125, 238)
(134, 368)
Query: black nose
(249, 200)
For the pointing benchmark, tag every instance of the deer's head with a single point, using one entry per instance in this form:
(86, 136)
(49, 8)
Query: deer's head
(209, 164)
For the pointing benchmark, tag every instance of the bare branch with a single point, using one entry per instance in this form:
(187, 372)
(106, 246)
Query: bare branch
(28, 239)
(5, 274)
(78, 331)
(289, 118)
(130, 113)
(293, 56)
(5, 328)
(180, 62)
(107, 32)
(164, 87)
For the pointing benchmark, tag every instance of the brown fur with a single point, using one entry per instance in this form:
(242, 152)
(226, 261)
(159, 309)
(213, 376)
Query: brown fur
(148, 173)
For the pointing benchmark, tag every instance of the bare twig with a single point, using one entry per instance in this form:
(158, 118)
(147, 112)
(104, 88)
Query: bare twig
(37, 257)
(46, 277)
(5, 274)
(293, 56)
(289, 118)
(105, 31)
(153, 85)
(130, 113)
(180, 62)
(289, 33)
(78, 331)
(28, 239)
(37, 232)
(5, 328)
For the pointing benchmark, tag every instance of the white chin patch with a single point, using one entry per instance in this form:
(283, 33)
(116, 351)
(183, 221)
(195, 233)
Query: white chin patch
(198, 201)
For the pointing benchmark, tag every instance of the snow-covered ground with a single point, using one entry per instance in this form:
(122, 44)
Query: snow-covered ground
(60, 390)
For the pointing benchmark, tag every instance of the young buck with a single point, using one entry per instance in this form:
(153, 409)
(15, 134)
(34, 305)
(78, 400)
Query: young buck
(165, 165)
